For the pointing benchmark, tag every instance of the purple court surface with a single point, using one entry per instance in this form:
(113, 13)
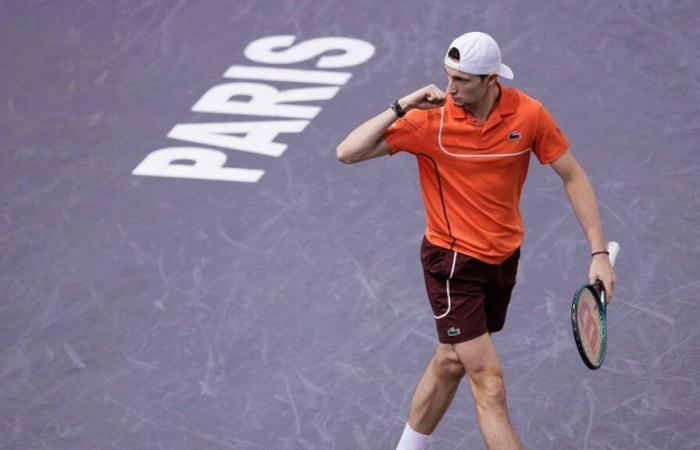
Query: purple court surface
(184, 264)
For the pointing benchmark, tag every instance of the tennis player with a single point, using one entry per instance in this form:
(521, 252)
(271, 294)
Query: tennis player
(473, 143)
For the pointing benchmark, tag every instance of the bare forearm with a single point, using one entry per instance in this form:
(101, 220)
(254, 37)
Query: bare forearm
(366, 141)
(585, 206)
(363, 139)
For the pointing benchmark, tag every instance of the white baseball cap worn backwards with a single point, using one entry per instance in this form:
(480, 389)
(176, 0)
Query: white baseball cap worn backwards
(476, 54)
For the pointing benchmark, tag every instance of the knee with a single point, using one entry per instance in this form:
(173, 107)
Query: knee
(488, 388)
(448, 366)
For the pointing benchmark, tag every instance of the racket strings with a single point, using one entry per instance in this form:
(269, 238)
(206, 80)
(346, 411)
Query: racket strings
(590, 329)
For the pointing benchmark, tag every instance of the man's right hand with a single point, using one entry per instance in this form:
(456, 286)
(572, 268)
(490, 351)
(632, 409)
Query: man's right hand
(427, 97)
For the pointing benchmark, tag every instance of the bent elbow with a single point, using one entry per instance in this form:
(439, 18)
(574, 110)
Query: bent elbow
(342, 154)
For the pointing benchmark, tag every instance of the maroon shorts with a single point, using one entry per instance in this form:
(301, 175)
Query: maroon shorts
(468, 297)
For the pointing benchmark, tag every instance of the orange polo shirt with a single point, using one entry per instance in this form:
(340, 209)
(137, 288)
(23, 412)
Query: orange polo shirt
(472, 175)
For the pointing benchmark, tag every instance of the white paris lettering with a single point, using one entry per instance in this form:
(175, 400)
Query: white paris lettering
(253, 98)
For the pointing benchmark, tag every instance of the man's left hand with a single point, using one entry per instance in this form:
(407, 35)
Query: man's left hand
(602, 270)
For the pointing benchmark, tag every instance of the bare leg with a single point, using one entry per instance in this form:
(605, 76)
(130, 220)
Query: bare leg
(480, 361)
(435, 390)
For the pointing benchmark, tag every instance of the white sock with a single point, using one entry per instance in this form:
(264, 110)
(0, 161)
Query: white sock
(412, 440)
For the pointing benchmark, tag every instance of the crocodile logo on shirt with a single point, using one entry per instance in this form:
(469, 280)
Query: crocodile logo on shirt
(453, 332)
(514, 135)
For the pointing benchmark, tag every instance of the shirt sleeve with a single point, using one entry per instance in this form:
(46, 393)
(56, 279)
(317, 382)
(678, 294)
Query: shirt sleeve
(550, 142)
(407, 133)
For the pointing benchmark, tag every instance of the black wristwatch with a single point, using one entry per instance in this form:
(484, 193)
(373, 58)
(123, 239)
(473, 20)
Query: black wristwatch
(397, 109)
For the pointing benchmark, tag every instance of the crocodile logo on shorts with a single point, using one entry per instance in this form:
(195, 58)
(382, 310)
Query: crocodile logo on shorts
(453, 331)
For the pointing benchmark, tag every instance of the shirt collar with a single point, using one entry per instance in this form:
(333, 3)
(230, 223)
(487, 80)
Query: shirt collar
(506, 104)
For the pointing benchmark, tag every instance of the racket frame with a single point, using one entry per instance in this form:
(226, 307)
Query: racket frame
(597, 291)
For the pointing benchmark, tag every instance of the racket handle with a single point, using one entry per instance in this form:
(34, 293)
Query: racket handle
(613, 250)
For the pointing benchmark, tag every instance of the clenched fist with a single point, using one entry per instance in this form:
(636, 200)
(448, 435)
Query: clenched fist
(427, 97)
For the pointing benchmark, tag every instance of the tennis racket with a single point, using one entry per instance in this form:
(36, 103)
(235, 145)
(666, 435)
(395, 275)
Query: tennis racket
(588, 318)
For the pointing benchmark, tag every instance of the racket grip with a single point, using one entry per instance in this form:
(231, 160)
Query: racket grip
(613, 250)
